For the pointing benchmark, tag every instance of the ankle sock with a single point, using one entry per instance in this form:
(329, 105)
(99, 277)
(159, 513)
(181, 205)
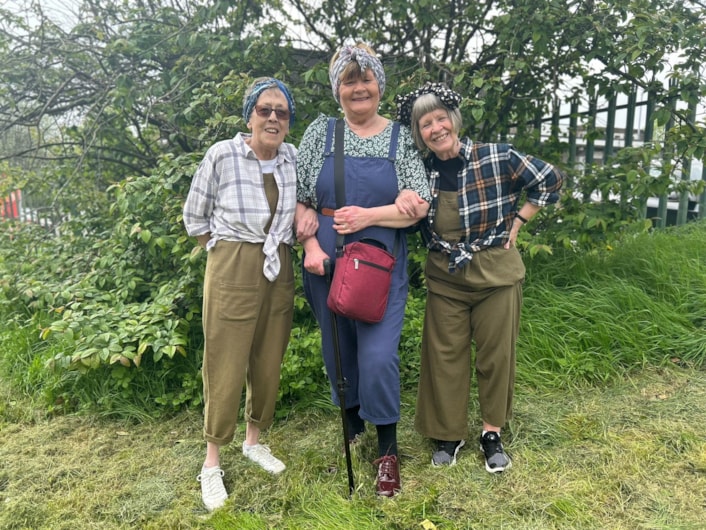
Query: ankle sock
(387, 439)
(356, 425)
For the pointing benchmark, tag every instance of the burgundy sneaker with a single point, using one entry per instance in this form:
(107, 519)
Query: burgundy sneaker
(388, 482)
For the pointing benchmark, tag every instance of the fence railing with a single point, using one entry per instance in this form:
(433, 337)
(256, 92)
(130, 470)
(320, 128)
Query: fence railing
(629, 123)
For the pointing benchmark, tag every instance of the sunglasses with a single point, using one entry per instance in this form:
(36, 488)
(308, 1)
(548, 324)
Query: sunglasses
(266, 112)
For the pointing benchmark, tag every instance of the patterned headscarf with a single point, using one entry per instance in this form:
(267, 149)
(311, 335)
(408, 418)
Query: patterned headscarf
(259, 87)
(448, 97)
(364, 59)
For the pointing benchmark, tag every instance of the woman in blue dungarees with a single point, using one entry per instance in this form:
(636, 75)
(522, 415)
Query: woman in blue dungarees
(380, 161)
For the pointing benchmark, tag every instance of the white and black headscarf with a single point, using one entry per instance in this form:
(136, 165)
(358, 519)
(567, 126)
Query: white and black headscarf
(450, 99)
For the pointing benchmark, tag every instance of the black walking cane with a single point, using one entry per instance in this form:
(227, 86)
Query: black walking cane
(340, 384)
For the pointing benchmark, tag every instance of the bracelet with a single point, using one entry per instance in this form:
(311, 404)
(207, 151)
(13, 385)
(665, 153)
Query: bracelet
(518, 216)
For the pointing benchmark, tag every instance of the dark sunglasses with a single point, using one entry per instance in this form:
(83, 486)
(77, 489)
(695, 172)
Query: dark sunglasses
(266, 112)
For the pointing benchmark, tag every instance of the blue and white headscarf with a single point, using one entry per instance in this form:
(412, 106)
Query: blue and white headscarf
(364, 59)
(259, 87)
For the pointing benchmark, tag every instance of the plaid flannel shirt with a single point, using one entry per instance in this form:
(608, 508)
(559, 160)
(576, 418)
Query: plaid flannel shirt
(493, 178)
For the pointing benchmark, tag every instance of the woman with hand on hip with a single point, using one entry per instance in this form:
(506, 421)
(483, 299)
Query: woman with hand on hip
(474, 273)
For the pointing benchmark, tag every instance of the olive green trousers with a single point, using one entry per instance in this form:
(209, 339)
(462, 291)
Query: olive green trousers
(247, 321)
(478, 304)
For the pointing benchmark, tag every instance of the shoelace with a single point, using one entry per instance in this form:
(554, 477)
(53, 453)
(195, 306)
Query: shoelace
(387, 466)
(448, 447)
(262, 451)
(211, 485)
(206, 475)
(493, 443)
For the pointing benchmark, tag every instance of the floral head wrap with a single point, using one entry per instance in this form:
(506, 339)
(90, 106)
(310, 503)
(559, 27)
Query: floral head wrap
(259, 87)
(448, 97)
(364, 59)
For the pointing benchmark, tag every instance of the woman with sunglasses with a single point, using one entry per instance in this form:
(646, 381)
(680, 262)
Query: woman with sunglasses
(241, 209)
(380, 160)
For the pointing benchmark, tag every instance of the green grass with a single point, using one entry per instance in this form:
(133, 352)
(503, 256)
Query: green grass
(620, 456)
(595, 317)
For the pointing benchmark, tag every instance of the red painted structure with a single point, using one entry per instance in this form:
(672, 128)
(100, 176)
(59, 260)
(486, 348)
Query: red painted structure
(11, 205)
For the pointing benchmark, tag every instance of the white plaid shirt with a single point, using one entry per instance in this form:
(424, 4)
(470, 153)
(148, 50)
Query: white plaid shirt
(227, 198)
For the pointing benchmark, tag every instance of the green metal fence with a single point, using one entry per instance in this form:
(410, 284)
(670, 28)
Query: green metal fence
(590, 145)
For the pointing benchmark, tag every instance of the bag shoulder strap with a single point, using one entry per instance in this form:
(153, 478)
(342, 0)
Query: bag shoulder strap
(338, 178)
(338, 170)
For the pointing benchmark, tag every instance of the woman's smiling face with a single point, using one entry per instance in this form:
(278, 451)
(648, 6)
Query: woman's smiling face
(268, 132)
(360, 94)
(437, 131)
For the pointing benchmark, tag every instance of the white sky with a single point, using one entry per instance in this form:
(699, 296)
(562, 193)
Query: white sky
(62, 12)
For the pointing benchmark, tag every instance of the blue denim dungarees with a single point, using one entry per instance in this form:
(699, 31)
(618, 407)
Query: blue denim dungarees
(369, 357)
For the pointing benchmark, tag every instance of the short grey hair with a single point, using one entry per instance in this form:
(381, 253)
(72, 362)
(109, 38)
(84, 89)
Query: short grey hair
(425, 104)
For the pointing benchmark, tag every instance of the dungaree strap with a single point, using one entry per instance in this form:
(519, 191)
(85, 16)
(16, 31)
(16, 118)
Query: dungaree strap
(393, 141)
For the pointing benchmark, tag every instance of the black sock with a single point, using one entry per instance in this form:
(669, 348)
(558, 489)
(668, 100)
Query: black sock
(387, 439)
(356, 425)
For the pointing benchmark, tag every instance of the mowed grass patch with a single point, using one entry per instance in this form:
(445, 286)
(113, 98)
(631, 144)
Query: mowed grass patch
(627, 455)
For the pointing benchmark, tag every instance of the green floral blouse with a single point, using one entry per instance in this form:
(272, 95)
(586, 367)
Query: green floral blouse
(310, 158)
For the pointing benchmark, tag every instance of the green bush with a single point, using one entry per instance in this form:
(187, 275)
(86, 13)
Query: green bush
(130, 342)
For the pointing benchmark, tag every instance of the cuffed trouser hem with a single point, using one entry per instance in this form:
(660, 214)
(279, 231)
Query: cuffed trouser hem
(218, 441)
(262, 425)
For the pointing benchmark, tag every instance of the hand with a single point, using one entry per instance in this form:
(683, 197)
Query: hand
(516, 225)
(409, 203)
(306, 222)
(528, 211)
(350, 219)
(203, 239)
(314, 260)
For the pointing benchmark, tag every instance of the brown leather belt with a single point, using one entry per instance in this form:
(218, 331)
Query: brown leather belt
(327, 211)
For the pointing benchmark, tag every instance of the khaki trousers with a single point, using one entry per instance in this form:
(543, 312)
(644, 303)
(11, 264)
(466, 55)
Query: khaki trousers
(479, 303)
(247, 321)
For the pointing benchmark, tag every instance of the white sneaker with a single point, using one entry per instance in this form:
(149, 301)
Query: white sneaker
(213, 492)
(260, 454)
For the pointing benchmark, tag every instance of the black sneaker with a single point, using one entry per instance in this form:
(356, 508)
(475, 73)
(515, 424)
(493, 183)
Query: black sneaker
(495, 458)
(445, 454)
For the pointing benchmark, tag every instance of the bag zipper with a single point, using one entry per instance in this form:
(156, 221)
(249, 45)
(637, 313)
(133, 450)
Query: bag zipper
(357, 261)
